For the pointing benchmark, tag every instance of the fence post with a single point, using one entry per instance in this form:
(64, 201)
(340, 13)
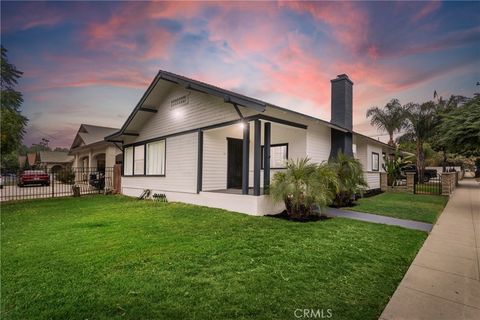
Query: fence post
(411, 182)
(446, 183)
(52, 183)
(117, 178)
(383, 181)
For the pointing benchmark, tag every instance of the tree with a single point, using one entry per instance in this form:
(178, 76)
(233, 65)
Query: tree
(350, 179)
(389, 118)
(444, 106)
(459, 130)
(303, 186)
(12, 121)
(419, 127)
(393, 166)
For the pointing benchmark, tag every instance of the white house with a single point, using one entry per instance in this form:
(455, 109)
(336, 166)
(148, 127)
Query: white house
(200, 144)
(90, 150)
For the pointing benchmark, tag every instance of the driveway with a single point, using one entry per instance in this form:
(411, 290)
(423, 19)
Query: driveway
(443, 281)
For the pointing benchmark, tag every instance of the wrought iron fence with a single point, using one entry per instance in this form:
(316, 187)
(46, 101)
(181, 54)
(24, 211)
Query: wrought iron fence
(45, 183)
(428, 185)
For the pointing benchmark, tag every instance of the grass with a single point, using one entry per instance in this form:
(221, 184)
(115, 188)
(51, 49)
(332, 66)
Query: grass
(425, 208)
(101, 257)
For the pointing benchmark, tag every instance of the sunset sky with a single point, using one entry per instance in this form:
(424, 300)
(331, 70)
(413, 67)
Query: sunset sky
(90, 62)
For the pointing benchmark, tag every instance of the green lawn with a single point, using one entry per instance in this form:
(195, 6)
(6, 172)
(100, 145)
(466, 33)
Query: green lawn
(100, 257)
(425, 208)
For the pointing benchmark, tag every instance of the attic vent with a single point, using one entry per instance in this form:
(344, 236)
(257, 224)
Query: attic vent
(179, 101)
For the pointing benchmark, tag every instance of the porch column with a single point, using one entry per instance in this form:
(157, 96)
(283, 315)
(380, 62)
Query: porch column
(246, 157)
(256, 157)
(200, 161)
(266, 156)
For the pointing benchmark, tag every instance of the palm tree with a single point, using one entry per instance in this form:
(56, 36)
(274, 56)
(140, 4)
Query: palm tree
(419, 127)
(389, 118)
(350, 179)
(303, 186)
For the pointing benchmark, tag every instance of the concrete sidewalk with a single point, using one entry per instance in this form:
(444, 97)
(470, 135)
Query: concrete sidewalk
(443, 281)
(375, 218)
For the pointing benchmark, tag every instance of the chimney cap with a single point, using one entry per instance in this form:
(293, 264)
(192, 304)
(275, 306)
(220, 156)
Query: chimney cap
(341, 77)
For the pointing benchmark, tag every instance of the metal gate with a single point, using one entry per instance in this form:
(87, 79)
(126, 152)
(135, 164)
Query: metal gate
(43, 183)
(429, 185)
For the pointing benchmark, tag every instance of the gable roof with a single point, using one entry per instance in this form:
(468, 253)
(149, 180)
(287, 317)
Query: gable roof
(227, 95)
(88, 134)
(32, 158)
(195, 85)
(54, 157)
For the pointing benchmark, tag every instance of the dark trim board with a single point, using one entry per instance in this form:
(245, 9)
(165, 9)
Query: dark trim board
(200, 161)
(144, 161)
(220, 125)
(148, 110)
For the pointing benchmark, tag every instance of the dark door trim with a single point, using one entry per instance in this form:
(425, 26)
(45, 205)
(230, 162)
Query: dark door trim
(234, 162)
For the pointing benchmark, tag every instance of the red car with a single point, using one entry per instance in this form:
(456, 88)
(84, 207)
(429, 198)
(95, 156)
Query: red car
(34, 177)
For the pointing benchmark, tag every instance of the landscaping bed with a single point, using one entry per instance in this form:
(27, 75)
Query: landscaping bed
(424, 208)
(116, 257)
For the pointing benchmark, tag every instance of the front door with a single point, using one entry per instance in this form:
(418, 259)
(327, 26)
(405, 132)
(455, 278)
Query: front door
(234, 163)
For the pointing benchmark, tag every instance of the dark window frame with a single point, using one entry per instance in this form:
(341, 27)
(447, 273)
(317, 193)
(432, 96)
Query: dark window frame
(378, 161)
(262, 154)
(144, 144)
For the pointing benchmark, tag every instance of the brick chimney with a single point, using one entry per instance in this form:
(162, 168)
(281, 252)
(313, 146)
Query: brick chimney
(341, 109)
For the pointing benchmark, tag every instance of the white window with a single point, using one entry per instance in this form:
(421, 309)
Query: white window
(278, 156)
(156, 158)
(139, 160)
(128, 165)
(375, 161)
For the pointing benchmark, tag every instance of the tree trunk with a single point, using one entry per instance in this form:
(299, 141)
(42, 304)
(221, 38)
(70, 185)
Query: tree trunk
(420, 160)
(391, 142)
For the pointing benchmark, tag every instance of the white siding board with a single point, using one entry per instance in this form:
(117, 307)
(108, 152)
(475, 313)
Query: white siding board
(318, 143)
(373, 179)
(180, 168)
(202, 110)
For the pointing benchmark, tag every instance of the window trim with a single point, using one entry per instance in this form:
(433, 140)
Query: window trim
(164, 159)
(133, 172)
(378, 161)
(262, 154)
(144, 144)
(124, 162)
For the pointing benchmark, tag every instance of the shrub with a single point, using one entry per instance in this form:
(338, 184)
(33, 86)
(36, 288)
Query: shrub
(350, 177)
(66, 176)
(304, 186)
(393, 167)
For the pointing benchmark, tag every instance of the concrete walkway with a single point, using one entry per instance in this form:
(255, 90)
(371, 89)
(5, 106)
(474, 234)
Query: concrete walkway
(375, 218)
(443, 281)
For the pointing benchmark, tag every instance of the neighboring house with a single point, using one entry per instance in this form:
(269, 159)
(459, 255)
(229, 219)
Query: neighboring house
(91, 151)
(22, 161)
(32, 158)
(53, 161)
(201, 144)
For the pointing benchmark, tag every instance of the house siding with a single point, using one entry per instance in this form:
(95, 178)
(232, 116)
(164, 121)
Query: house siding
(373, 179)
(200, 111)
(215, 151)
(180, 168)
(318, 143)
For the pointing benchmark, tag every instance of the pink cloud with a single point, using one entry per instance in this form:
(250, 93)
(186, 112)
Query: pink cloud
(348, 21)
(132, 28)
(33, 15)
(427, 9)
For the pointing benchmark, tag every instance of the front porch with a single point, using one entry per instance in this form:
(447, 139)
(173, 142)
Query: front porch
(241, 158)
